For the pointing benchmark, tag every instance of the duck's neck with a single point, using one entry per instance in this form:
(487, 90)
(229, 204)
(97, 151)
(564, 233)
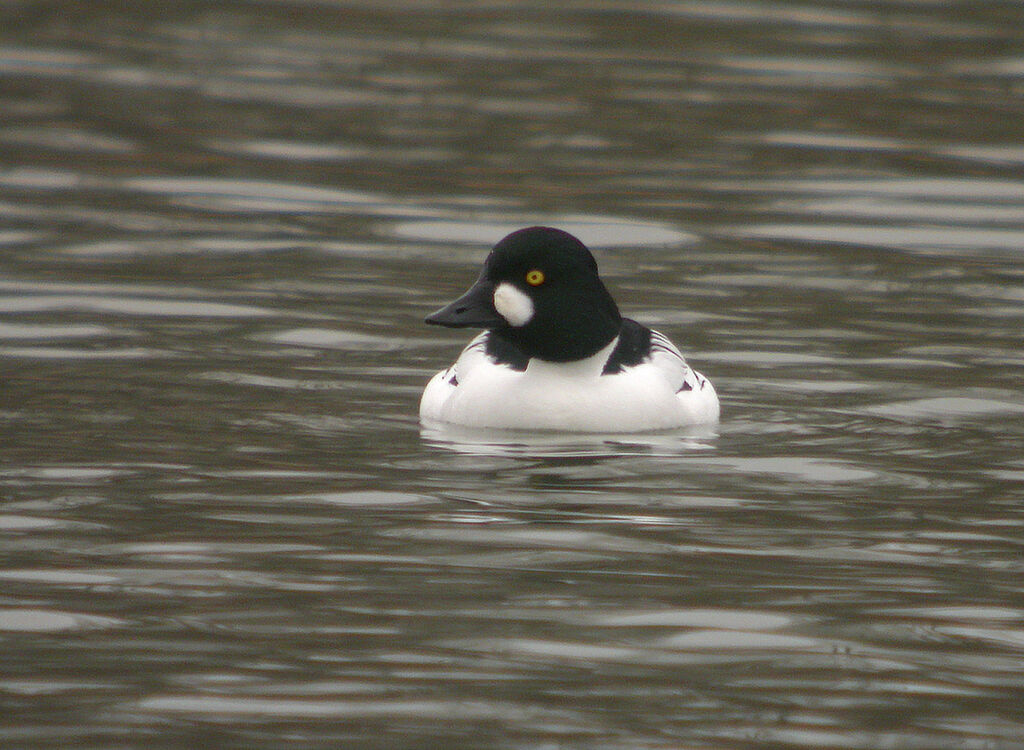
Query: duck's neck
(587, 367)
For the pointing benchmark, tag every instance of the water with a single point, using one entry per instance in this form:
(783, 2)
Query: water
(221, 523)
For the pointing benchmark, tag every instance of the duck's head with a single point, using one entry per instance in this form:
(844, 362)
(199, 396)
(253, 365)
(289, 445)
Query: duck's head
(539, 288)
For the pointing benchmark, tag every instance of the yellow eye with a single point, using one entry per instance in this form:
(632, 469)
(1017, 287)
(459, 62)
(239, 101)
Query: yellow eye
(535, 277)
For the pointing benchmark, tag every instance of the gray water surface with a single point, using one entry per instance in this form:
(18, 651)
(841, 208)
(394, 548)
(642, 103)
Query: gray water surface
(221, 525)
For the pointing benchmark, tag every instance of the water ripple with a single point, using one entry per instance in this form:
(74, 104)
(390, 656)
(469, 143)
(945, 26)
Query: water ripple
(26, 620)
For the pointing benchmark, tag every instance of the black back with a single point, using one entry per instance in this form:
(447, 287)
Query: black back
(634, 347)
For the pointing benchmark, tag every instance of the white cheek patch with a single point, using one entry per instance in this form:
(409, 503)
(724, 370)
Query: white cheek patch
(513, 305)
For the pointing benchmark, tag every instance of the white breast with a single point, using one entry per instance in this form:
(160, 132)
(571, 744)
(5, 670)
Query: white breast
(573, 396)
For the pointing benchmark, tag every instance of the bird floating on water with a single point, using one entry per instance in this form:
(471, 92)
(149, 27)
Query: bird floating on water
(556, 354)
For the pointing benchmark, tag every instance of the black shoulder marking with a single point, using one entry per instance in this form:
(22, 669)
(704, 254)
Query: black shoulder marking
(633, 348)
(504, 352)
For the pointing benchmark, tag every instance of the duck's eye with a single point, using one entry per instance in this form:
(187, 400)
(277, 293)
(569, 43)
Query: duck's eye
(535, 277)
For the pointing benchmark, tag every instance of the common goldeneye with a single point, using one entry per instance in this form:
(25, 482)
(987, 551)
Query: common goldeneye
(555, 353)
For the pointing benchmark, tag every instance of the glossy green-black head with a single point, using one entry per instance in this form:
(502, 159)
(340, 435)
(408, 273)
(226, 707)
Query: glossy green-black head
(539, 289)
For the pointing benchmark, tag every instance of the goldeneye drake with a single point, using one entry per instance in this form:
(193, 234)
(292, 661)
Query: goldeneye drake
(555, 353)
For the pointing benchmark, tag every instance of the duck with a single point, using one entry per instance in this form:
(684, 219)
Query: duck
(555, 353)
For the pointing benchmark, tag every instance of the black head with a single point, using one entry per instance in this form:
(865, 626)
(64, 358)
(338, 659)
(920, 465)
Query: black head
(539, 289)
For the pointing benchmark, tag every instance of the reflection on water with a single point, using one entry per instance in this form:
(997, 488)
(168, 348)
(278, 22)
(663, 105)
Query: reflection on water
(927, 215)
(594, 231)
(221, 522)
(478, 441)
